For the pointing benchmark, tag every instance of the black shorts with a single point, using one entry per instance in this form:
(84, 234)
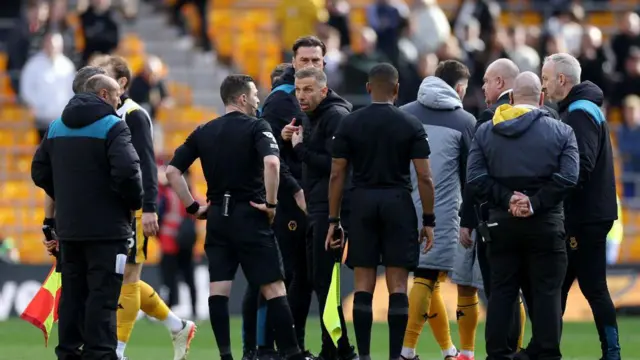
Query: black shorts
(243, 238)
(290, 227)
(138, 243)
(383, 229)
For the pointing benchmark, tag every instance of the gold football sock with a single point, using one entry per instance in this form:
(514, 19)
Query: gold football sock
(467, 315)
(128, 307)
(439, 321)
(523, 324)
(419, 301)
(151, 303)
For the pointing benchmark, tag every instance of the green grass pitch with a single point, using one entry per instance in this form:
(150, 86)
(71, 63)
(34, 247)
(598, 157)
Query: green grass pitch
(151, 341)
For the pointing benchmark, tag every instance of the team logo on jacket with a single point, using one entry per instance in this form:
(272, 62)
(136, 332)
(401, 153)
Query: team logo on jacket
(573, 243)
(293, 225)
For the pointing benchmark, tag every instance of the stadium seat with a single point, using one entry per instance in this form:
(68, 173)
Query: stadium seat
(131, 45)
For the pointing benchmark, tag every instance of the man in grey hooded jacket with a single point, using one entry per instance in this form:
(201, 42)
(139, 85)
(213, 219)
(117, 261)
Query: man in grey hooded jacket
(451, 129)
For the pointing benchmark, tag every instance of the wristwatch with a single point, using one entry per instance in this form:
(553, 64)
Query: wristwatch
(428, 220)
(270, 206)
(334, 220)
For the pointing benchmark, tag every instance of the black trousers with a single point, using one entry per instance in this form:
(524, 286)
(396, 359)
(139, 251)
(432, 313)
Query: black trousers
(513, 329)
(534, 248)
(91, 280)
(322, 262)
(174, 265)
(587, 249)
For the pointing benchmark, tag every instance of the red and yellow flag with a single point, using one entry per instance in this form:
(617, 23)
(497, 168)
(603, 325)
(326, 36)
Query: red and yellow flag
(42, 311)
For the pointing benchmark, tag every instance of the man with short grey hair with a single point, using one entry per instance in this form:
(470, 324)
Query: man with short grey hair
(591, 208)
(83, 75)
(524, 196)
(312, 144)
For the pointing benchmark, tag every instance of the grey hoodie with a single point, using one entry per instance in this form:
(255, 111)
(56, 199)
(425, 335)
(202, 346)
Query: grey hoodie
(450, 129)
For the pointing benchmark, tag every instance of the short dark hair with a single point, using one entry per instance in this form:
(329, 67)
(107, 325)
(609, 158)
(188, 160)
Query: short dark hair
(309, 41)
(99, 82)
(452, 72)
(279, 70)
(233, 86)
(382, 74)
(83, 75)
(311, 72)
(119, 67)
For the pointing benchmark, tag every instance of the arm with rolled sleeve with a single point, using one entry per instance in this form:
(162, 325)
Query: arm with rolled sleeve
(125, 165)
(481, 184)
(587, 135)
(41, 170)
(563, 180)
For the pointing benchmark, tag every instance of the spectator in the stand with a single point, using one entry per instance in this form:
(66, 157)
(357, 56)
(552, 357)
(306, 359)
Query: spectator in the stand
(388, 18)
(567, 24)
(26, 39)
(630, 84)
(100, 29)
(526, 57)
(148, 88)
(8, 251)
(59, 23)
(45, 84)
(203, 36)
(628, 37)
(425, 66)
(339, 19)
(486, 12)
(334, 58)
(428, 18)
(629, 147)
(553, 44)
(364, 58)
(594, 59)
(297, 18)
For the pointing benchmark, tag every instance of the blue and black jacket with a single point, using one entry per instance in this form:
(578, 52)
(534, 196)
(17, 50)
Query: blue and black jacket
(594, 198)
(88, 165)
(279, 108)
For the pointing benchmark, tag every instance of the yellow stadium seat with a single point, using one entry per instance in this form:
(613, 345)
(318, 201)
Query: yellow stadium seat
(131, 45)
(531, 18)
(7, 216)
(3, 62)
(358, 17)
(603, 19)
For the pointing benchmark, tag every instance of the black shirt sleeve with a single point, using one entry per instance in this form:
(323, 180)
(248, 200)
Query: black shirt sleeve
(125, 165)
(141, 137)
(341, 148)
(420, 142)
(41, 170)
(264, 139)
(186, 153)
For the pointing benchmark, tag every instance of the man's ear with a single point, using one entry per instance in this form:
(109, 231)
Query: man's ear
(396, 90)
(324, 91)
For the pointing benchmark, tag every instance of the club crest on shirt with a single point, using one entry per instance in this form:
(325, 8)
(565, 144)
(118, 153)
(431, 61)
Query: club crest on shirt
(293, 225)
(573, 243)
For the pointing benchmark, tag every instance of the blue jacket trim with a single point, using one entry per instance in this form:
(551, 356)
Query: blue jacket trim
(288, 88)
(96, 130)
(590, 108)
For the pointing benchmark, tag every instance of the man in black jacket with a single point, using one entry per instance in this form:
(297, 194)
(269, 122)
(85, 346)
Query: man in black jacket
(312, 144)
(88, 166)
(591, 208)
(525, 228)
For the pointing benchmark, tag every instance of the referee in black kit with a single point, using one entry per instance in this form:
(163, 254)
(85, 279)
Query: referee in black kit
(87, 165)
(240, 161)
(380, 141)
(525, 228)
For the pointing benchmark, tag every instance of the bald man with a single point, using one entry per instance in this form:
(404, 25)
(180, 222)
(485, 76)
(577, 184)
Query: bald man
(524, 199)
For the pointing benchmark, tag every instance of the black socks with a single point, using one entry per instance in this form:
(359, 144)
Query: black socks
(363, 320)
(219, 317)
(397, 317)
(280, 316)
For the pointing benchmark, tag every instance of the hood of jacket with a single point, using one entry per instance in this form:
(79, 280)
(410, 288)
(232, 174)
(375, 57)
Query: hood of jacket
(513, 121)
(586, 90)
(287, 78)
(434, 93)
(85, 109)
(332, 100)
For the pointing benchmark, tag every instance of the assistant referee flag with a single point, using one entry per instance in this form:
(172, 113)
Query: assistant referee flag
(42, 311)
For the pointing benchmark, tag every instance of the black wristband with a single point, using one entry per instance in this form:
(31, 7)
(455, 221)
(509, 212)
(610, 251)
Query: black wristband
(51, 222)
(193, 208)
(428, 220)
(270, 206)
(334, 220)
